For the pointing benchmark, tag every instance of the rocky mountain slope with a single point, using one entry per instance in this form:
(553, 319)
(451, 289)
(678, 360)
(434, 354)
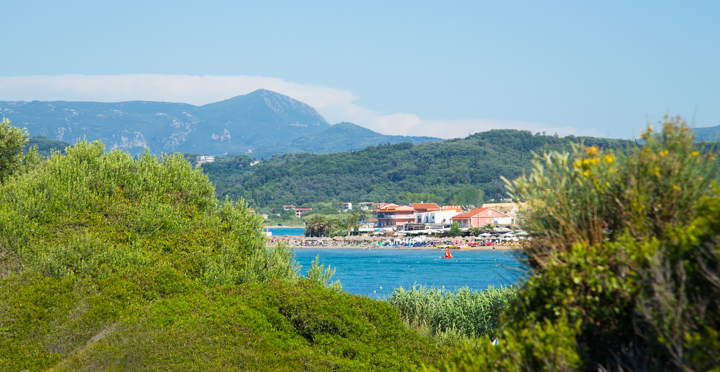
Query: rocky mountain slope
(259, 120)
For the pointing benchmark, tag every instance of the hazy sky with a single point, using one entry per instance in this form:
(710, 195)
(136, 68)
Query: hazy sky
(423, 68)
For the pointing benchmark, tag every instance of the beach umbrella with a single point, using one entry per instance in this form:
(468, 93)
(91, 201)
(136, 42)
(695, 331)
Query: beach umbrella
(485, 235)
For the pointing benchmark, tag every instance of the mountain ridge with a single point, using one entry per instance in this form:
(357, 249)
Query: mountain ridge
(261, 119)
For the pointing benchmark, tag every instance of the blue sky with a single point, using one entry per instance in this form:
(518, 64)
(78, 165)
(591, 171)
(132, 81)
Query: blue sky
(420, 68)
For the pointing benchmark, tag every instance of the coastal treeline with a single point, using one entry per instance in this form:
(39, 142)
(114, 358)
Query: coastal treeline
(459, 171)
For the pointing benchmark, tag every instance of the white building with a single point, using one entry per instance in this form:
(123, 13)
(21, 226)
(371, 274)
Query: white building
(204, 159)
(442, 216)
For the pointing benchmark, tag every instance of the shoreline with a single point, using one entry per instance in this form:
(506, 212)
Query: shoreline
(490, 248)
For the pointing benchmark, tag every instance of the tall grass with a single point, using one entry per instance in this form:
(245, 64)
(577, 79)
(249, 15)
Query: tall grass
(452, 314)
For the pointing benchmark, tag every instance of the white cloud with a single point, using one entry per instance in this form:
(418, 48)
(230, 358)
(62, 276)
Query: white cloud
(335, 104)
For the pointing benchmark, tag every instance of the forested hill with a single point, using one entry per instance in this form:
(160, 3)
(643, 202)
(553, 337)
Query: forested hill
(453, 171)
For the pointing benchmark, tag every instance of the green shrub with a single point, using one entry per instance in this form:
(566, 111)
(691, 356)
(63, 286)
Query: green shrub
(625, 248)
(110, 262)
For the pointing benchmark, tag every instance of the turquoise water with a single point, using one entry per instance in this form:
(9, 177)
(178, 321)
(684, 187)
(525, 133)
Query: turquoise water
(364, 271)
(282, 231)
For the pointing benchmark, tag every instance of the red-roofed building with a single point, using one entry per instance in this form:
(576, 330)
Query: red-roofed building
(425, 207)
(478, 217)
(394, 215)
(299, 211)
(433, 214)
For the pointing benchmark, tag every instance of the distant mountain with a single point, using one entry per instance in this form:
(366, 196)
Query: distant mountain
(261, 118)
(339, 137)
(707, 134)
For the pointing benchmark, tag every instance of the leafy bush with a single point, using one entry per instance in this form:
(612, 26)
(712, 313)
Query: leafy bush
(110, 262)
(625, 262)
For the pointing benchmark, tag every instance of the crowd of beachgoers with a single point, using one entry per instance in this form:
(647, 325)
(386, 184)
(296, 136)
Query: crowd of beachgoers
(379, 242)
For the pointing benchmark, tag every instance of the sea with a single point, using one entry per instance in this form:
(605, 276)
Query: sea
(282, 231)
(377, 272)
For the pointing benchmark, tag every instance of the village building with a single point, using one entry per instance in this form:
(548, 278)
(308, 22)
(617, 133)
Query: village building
(393, 215)
(431, 213)
(288, 207)
(347, 206)
(513, 210)
(478, 217)
(365, 205)
(299, 211)
(204, 159)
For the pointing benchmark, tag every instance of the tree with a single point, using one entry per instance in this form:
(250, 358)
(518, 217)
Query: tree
(351, 223)
(489, 227)
(455, 230)
(475, 231)
(12, 143)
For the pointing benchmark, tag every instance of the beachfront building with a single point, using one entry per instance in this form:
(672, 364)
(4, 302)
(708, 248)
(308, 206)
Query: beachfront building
(347, 206)
(433, 214)
(479, 217)
(513, 210)
(299, 211)
(392, 215)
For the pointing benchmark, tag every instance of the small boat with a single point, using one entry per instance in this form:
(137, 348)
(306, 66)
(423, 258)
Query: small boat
(447, 253)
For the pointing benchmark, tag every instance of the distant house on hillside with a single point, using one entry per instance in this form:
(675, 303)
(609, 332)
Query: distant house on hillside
(204, 159)
(347, 206)
(478, 217)
(365, 205)
(299, 211)
(288, 207)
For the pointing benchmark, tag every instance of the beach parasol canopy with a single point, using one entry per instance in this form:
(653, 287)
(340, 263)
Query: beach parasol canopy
(485, 234)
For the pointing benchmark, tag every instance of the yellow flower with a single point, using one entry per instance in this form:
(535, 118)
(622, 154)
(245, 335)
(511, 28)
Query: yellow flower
(656, 171)
(695, 153)
(586, 173)
(676, 187)
(591, 151)
(608, 159)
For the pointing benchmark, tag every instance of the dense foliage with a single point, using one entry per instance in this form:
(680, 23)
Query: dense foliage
(625, 263)
(110, 262)
(13, 160)
(461, 171)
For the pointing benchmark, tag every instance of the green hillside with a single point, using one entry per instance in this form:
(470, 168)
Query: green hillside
(114, 263)
(337, 138)
(452, 171)
(45, 146)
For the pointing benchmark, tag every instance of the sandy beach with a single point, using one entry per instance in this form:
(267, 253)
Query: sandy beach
(486, 248)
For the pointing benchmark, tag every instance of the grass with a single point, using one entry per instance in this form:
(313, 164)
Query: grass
(452, 317)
